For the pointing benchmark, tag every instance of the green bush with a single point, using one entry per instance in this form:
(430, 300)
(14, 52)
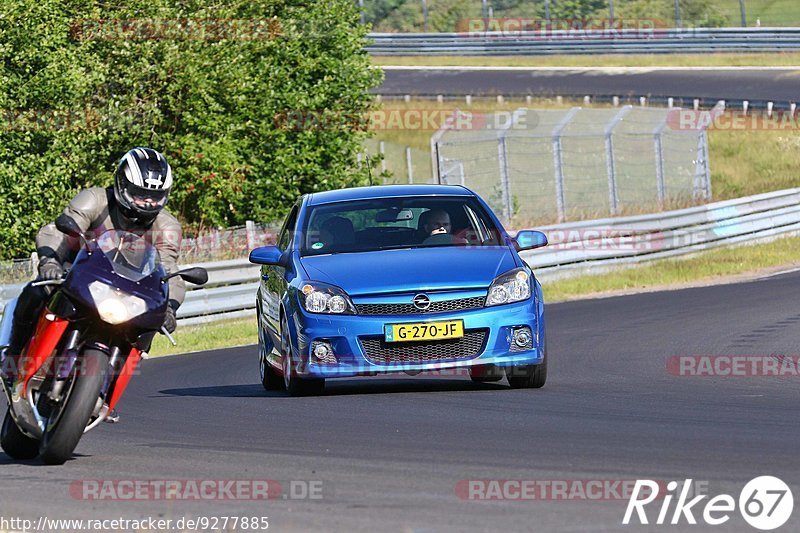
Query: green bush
(208, 83)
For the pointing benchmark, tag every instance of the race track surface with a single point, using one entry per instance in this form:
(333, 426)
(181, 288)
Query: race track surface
(390, 451)
(771, 84)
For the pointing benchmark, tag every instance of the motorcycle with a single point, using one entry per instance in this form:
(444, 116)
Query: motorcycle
(87, 344)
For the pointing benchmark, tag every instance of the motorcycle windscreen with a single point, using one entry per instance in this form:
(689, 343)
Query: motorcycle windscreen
(131, 256)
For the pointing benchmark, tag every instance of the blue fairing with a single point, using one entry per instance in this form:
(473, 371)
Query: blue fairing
(91, 267)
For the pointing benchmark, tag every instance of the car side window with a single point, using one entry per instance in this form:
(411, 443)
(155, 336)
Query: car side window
(287, 232)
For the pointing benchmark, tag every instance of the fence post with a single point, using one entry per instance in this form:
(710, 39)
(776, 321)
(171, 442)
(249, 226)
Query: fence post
(409, 169)
(502, 159)
(34, 264)
(659, 153)
(437, 161)
(611, 167)
(382, 151)
(701, 188)
(250, 230)
(558, 162)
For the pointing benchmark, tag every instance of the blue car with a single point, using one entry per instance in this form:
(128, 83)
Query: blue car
(406, 278)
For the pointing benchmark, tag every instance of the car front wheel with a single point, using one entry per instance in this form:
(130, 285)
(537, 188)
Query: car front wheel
(528, 376)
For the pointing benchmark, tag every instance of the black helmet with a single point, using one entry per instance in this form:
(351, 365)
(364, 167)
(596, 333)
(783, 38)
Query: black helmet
(142, 184)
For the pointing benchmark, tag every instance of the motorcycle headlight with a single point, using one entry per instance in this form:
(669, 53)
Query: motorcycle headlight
(323, 298)
(115, 306)
(513, 286)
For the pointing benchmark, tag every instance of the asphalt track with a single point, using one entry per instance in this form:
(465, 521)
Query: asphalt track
(781, 85)
(390, 451)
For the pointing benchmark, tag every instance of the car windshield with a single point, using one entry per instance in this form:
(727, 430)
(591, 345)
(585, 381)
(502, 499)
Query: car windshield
(131, 255)
(390, 223)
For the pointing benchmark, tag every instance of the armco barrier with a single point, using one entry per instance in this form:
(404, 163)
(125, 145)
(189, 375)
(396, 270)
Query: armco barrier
(590, 246)
(654, 41)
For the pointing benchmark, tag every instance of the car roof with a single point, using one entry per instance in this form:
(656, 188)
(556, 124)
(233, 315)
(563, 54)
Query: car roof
(386, 191)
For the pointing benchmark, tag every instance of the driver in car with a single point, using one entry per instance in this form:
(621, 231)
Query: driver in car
(437, 228)
(135, 204)
(437, 222)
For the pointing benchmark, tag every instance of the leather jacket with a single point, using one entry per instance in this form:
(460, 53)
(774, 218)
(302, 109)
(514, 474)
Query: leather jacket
(95, 210)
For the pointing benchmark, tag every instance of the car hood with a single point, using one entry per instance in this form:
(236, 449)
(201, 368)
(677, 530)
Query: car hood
(416, 269)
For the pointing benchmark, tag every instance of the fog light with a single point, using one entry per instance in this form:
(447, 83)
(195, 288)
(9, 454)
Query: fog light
(521, 339)
(322, 352)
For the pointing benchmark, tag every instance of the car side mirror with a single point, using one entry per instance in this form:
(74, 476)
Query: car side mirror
(195, 275)
(529, 240)
(267, 255)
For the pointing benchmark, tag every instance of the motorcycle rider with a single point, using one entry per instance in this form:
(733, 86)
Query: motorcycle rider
(135, 204)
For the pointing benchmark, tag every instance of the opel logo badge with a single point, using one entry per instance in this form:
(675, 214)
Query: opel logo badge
(421, 302)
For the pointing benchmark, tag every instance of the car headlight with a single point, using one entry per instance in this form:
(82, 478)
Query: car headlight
(513, 286)
(323, 298)
(115, 306)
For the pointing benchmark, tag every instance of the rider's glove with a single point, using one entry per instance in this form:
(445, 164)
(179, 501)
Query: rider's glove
(170, 323)
(50, 270)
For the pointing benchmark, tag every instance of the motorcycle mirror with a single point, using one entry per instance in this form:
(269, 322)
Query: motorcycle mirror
(195, 275)
(68, 226)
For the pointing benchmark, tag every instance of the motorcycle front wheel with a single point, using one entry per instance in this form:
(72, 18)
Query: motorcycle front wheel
(67, 421)
(16, 444)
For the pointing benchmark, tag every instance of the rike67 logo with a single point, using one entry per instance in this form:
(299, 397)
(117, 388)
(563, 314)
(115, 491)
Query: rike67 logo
(765, 503)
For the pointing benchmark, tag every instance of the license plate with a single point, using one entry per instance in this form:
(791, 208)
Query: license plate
(426, 331)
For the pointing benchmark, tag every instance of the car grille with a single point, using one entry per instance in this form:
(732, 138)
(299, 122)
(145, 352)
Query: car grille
(444, 306)
(381, 352)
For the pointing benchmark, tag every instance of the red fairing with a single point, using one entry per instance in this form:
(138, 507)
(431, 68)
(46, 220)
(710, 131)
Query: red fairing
(42, 344)
(124, 376)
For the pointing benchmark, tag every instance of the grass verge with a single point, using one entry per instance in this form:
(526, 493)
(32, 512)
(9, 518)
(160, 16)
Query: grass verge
(706, 267)
(778, 59)
(211, 336)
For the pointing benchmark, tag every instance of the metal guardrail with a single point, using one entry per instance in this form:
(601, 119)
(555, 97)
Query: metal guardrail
(629, 41)
(590, 246)
(595, 246)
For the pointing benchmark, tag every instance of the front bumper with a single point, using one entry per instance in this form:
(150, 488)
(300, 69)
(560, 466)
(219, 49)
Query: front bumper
(345, 334)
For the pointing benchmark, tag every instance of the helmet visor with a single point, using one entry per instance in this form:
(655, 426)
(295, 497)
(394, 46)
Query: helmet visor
(145, 200)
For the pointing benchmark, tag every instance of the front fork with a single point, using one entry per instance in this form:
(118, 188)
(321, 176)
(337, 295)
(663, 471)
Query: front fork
(42, 348)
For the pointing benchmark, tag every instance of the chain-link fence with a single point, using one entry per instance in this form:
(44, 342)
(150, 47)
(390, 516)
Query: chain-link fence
(567, 164)
(399, 163)
(455, 15)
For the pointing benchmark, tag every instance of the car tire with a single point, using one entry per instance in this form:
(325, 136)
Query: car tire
(270, 379)
(15, 443)
(295, 385)
(485, 373)
(528, 376)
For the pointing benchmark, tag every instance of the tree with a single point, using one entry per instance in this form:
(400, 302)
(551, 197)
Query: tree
(253, 102)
